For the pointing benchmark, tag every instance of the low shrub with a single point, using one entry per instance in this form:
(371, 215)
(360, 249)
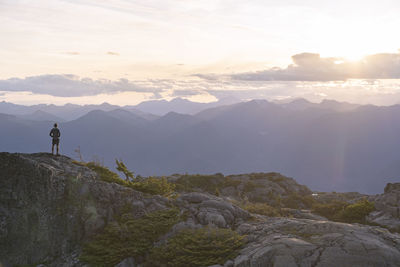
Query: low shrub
(154, 186)
(345, 212)
(104, 173)
(151, 185)
(329, 210)
(356, 213)
(197, 247)
(128, 237)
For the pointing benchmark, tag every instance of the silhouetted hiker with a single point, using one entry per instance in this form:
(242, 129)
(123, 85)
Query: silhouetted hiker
(55, 133)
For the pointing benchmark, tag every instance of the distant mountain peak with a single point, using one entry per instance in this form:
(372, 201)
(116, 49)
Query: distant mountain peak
(301, 100)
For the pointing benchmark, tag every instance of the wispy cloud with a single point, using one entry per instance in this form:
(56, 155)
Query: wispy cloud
(71, 53)
(72, 89)
(112, 53)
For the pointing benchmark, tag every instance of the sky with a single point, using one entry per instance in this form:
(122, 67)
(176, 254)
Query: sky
(127, 51)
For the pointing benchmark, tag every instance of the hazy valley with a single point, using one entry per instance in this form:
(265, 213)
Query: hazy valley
(327, 146)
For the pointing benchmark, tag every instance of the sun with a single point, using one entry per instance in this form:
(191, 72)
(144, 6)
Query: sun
(352, 39)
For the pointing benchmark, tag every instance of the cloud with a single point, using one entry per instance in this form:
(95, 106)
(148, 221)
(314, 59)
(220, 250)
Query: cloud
(210, 76)
(68, 85)
(312, 67)
(112, 53)
(72, 53)
(185, 92)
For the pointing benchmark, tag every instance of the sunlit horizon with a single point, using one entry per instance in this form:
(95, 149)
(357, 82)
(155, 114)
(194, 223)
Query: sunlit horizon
(125, 52)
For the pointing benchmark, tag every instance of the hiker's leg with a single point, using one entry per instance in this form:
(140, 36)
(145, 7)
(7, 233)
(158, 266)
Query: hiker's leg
(52, 149)
(57, 149)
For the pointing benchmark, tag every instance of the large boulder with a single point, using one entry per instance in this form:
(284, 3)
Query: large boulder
(206, 209)
(387, 207)
(294, 242)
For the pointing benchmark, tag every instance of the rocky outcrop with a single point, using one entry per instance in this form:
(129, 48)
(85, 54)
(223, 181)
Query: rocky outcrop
(268, 188)
(293, 242)
(262, 187)
(206, 209)
(387, 207)
(49, 206)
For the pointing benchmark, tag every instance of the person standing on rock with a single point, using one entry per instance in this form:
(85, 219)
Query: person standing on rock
(55, 134)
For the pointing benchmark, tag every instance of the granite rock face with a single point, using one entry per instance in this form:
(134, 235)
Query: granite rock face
(296, 242)
(387, 207)
(49, 206)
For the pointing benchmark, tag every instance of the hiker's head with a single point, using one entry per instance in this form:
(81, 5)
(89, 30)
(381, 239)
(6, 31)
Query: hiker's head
(55, 125)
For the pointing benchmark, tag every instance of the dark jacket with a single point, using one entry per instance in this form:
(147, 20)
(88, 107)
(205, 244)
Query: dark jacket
(55, 133)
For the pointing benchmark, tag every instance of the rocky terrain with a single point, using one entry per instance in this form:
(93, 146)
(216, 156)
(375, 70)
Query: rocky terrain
(387, 207)
(51, 207)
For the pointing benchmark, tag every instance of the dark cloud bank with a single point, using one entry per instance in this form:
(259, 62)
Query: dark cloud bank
(67, 85)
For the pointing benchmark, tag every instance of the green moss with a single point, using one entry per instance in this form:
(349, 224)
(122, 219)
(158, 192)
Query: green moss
(200, 247)
(128, 237)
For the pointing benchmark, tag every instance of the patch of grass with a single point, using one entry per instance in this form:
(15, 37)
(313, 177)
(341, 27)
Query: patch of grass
(208, 183)
(128, 237)
(277, 179)
(230, 182)
(329, 210)
(198, 247)
(249, 187)
(262, 209)
(269, 176)
(297, 201)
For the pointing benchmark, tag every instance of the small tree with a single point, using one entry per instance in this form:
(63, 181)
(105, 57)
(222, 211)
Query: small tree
(122, 168)
(78, 152)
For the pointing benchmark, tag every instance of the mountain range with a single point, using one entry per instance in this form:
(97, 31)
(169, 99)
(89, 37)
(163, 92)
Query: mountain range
(328, 146)
(147, 109)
